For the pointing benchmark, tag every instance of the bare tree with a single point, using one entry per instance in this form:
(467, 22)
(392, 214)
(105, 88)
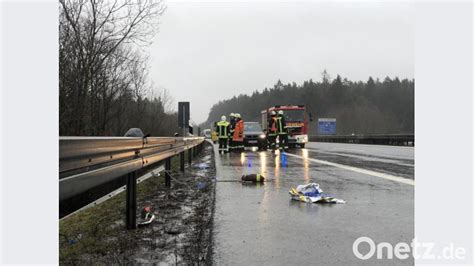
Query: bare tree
(167, 100)
(99, 47)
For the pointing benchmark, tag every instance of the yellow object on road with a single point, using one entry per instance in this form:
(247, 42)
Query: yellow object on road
(214, 136)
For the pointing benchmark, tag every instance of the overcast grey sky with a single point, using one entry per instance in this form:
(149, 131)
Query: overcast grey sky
(206, 52)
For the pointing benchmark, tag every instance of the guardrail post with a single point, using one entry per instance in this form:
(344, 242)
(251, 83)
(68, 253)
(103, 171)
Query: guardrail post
(131, 208)
(167, 172)
(181, 161)
(190, 157)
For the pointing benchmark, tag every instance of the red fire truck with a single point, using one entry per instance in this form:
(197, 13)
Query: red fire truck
(296, 122)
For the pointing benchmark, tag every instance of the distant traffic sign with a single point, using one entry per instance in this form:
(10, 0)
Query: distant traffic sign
(327, 126)
(183, 114)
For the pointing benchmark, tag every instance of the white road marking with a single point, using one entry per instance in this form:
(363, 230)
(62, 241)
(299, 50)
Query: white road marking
(359, 170)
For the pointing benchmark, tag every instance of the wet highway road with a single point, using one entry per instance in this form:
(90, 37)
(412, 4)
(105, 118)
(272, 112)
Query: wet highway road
(259, 224)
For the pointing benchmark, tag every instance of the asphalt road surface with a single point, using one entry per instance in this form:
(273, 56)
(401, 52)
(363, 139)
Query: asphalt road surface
(260, 224)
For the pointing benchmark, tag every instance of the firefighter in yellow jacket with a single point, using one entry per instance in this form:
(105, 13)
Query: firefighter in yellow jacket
(272, 131)
(282, 131)
(223, 134)
(238, 136)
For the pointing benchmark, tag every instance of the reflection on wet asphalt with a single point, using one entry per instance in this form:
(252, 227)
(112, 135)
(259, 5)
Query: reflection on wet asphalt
(259, 224)
(392, 160)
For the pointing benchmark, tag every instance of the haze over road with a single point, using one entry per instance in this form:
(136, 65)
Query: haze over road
(260, 224)
(210, 51)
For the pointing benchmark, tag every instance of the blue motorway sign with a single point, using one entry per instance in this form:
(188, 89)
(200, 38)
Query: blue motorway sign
(327, 126)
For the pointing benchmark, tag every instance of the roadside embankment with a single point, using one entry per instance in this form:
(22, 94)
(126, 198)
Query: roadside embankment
(180, 233)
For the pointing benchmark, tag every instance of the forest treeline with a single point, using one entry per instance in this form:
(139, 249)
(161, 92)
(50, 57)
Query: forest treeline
(370, 107)
(104, 88)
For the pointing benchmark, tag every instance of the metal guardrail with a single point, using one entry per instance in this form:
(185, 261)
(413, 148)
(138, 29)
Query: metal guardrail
(382, 139)
(153, 173)
(88, 162)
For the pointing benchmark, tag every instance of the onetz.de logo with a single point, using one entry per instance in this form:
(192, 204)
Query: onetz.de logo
(403, 250)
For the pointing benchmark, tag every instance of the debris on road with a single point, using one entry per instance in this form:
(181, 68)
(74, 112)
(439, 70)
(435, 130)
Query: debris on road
(202, 166)
(201, 185)
(255, 178)
(146, 216)
(312, 193)
(73, 240)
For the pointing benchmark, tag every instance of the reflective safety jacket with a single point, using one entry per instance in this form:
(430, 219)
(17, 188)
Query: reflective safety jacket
(281, 125)
(232, 125)
(223, 129)
(272, 126)
(238, 131)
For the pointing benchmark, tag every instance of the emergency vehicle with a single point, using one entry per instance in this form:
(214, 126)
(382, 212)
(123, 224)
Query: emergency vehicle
(296, 123)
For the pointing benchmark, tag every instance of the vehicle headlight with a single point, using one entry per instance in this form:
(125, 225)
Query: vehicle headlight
(262, 136)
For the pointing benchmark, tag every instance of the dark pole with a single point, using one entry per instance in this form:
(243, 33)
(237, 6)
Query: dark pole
(184, 123)
(181, 161)
(167, 172)
(190, 157)
(131, 200)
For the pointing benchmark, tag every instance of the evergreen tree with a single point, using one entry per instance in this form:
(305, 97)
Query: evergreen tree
(360, 107)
